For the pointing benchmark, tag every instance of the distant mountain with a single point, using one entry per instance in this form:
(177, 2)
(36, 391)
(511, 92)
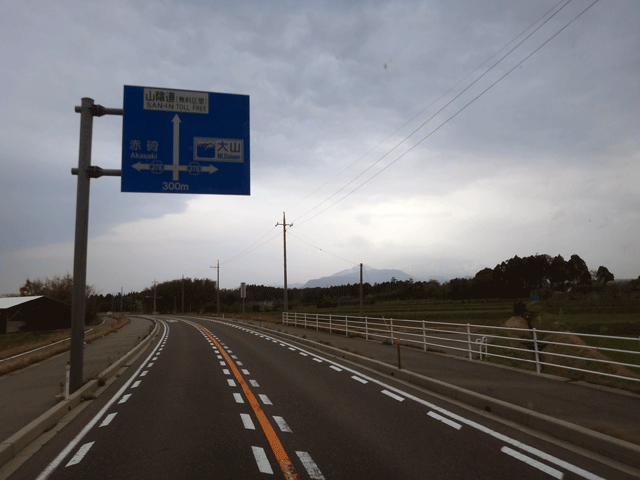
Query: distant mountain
(352, 276)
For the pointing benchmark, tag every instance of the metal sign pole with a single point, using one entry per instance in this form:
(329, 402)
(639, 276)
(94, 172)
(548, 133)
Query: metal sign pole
(85, 173)
(78, 299)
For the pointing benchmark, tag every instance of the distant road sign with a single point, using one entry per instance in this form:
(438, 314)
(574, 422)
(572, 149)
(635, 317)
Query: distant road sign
(179, 141)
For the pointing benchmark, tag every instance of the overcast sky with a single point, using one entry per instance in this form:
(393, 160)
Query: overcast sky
(546, 161)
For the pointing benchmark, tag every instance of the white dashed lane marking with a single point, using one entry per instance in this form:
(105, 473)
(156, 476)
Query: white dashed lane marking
(310, 466)
(262, 460)
(444, 420)
(393, 395)
(77, 458)
(282, 424)
(107, 419)
(247, 422)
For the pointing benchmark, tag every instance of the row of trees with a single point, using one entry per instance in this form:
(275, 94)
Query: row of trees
(534, 276)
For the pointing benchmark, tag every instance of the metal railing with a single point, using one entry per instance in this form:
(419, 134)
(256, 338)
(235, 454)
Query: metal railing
(533, 346)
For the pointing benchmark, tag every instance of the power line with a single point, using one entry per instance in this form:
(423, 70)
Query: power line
(323, 251)
(247, 251)
(452, 116)
(442, 108)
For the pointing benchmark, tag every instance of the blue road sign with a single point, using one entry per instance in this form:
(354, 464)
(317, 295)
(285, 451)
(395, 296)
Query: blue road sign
(179, 141)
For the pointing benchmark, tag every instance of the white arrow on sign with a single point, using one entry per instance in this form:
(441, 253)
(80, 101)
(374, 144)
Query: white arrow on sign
(176, 168)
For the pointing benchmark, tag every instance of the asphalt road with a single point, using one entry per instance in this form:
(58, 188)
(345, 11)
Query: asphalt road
(213, 400)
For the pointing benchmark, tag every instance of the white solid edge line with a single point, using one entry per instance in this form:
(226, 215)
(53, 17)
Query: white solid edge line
(262, 460)
(534, 463)
(311, 467)
(61, 456)
(77, 458)
(444, 420)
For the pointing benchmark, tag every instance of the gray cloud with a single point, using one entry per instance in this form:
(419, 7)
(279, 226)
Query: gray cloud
(546, 161)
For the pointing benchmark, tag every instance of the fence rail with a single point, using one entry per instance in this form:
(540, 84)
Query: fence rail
(539, 347)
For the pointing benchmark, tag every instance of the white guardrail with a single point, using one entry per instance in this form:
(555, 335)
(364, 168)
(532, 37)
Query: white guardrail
(539, 347)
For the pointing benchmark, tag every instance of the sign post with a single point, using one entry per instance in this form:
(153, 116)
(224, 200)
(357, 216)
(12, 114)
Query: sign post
(173, 141)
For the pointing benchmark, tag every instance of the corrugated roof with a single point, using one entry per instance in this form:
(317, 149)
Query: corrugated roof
(9, 302)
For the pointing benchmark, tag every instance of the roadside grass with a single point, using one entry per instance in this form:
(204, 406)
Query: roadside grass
(16, 343)
(21, 342)
(501, 351)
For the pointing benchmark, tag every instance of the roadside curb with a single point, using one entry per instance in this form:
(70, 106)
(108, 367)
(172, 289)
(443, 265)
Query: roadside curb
(12, 446)
(610, 447)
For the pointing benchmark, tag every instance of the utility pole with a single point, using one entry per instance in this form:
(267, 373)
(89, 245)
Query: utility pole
(183, 294)
(217, 267)
(121, 299)
(155, 284)
(284, 230)
(361, 294)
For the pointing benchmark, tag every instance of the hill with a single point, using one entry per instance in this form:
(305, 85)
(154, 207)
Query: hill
(352, 276)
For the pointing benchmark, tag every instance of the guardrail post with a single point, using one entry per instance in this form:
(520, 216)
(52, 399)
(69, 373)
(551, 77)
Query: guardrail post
(295, 320)
(329, 323)
(391, 323)
(317, 328)
(469, 341)
(424, 336)
(346, 326)
(366, 328)
(535, 348)
(305, 320)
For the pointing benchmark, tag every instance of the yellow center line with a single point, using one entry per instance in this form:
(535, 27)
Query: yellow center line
(272, 437)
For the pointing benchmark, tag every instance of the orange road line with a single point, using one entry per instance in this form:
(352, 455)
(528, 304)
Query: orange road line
(272, 437)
